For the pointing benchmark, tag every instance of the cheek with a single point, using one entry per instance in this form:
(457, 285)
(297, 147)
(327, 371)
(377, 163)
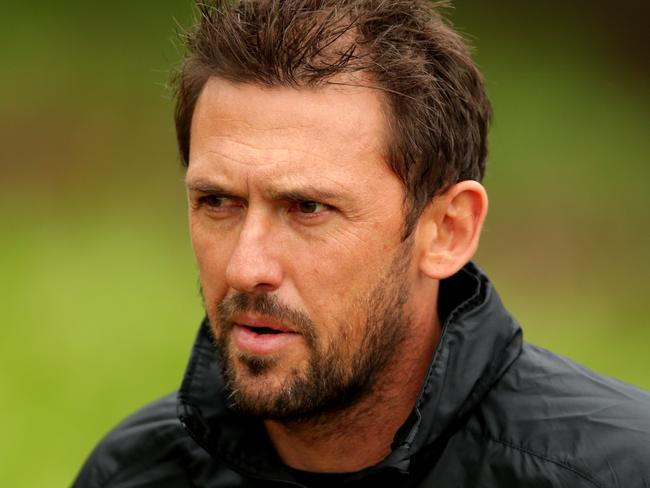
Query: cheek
(348, 262)
(333, 287)
(212, 259)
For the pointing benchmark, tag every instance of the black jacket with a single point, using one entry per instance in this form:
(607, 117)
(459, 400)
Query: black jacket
(493, 412)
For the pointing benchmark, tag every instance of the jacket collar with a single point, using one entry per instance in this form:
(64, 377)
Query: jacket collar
(478, 343)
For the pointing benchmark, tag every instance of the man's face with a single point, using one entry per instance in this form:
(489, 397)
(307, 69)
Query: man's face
(296, 222)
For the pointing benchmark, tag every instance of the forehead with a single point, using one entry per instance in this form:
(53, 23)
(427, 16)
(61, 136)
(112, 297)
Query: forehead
(331, 133)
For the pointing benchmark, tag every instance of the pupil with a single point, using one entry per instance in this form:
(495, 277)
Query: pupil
(308, 207)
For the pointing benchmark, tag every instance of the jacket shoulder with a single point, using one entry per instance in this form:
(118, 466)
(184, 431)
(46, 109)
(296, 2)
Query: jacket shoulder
(557, 411)
(148, 448)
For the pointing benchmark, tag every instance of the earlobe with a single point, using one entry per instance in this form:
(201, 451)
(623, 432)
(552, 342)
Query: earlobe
(449, 229)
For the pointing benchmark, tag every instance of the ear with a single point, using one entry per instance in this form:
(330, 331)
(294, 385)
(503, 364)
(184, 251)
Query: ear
(448, 231)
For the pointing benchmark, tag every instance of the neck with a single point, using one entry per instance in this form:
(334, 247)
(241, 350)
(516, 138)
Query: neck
(361, 435)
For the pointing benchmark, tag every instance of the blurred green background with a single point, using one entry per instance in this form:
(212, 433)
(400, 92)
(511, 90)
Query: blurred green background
(99, 298)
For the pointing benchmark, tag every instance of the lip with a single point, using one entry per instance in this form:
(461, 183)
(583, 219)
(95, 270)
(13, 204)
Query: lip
(251, 342)
(254, 321)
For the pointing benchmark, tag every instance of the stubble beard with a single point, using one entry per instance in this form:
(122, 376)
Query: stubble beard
(332, 380)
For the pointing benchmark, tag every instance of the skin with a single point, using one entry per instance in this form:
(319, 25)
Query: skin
(290, 195)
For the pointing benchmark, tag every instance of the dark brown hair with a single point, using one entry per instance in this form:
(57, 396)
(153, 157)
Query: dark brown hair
(438, 111)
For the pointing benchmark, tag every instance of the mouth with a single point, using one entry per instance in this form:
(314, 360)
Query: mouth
(261, 324)
(261, 330)
(259, 335)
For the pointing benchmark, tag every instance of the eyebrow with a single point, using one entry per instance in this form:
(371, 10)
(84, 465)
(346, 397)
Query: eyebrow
(300, 193)
(210, 188)
(303, 194)
(206, 187)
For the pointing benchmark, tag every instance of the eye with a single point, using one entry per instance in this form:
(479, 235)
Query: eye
(311, 207)
(213, 201)
(218, 203)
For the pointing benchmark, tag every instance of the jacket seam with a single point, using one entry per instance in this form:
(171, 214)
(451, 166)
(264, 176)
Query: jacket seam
(471, 302)
(538, 455)
(490, 381)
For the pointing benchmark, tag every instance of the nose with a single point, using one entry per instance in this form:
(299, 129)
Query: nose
(253, 267)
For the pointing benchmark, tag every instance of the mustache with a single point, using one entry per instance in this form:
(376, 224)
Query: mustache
(270, 306)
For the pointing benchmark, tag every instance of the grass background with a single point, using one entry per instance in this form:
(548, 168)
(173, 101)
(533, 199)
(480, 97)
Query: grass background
(99, 298)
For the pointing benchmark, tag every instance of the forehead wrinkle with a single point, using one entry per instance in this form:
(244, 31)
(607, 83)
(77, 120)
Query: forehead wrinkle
(292, 157)
(256, 146)
(233, 119)
(221, 156)
(296, 186)
(364, 140)
(281, 177)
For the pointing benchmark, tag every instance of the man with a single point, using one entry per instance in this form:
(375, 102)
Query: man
(334, 153)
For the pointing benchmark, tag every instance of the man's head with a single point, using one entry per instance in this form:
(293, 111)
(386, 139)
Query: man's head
(328, 145)
(435, 104)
